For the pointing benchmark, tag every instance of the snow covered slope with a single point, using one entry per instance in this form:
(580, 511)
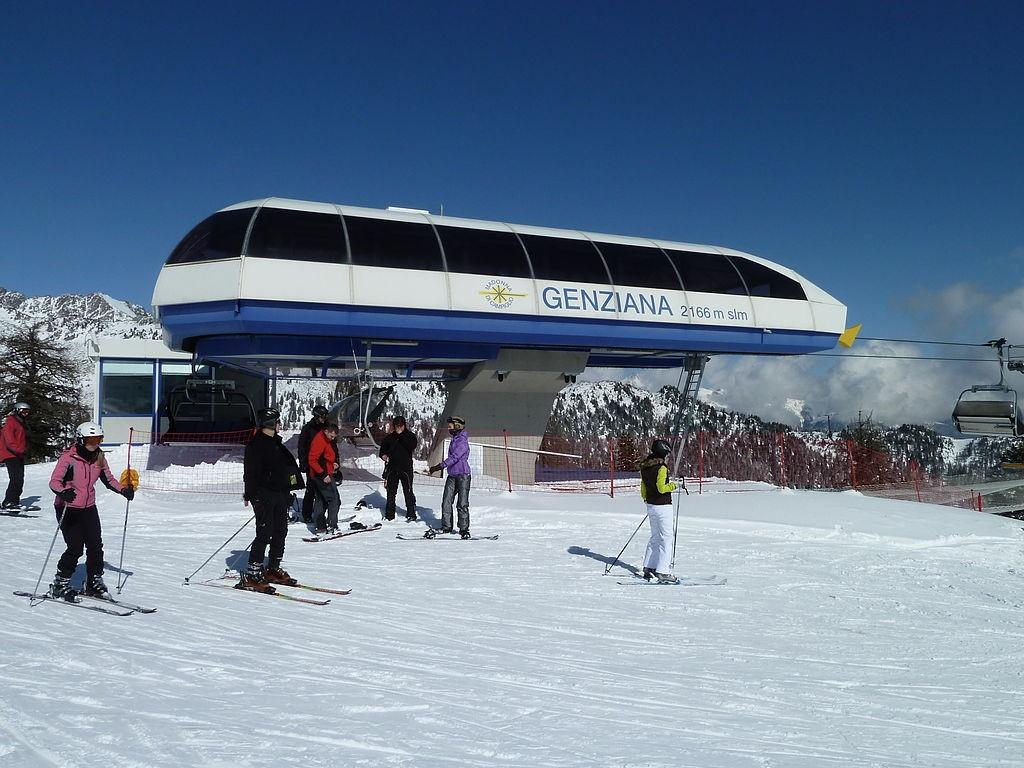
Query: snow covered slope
(852, 632)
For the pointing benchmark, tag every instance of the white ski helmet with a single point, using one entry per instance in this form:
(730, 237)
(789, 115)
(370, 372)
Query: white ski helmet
(23, 406)
(88, 429)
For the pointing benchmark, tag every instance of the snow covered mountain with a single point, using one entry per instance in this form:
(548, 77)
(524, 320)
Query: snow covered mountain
(72, 318)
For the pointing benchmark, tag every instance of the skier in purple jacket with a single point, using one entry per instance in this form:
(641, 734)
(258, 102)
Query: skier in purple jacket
(457, 481)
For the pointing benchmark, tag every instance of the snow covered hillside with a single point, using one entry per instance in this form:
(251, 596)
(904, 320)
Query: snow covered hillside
(852, 632)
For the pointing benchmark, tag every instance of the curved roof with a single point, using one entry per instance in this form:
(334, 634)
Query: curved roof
(330, 278)
(419, 216)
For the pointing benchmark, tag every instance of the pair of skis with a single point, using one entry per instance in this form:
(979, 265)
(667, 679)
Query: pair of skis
(680, 581)
(19, 510)
(446, 537)
(223, 584)
(342, 534)
(116, 607)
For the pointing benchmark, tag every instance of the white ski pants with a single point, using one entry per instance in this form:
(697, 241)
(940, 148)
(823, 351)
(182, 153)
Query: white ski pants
(659, 548)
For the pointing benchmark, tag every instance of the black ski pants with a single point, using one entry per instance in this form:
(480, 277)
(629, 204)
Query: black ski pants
(309, 498)
(81, 530)
(16, 473)
(396, 476)
(271, 510)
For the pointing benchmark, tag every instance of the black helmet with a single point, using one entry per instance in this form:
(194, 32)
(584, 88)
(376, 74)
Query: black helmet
(660, 448)
(319, 411)
(268, 417)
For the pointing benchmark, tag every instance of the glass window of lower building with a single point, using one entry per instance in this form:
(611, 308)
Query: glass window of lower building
(126, 389)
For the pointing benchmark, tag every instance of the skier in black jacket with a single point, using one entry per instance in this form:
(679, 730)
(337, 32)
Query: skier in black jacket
(309, 430)
(271, 474)
(397, 449)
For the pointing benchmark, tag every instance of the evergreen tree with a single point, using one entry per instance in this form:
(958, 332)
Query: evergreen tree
(1014, 454)
(41, 373)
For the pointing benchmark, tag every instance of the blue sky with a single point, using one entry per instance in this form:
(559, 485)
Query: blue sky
(873, 147)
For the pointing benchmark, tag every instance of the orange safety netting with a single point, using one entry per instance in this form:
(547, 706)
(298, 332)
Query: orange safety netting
(212, 463)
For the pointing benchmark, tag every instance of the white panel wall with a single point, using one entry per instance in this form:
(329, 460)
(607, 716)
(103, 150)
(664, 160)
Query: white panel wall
(409, 288)
(202, 281)
(307, 281)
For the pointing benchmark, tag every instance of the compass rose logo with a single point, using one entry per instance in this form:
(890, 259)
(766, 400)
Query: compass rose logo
(499, 295)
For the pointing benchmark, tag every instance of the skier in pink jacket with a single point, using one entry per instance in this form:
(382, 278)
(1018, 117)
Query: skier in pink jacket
(74, 480)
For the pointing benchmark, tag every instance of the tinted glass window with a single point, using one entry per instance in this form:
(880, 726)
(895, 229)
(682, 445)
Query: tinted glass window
(555, 258)
(707, 272)
(127, 389)
(639, 266)
(764, 281)
(483, 252)
(218, 237)
(398, 244)
(297, 236)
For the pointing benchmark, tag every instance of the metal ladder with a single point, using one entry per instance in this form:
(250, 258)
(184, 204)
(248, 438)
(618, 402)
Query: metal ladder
(693, 368)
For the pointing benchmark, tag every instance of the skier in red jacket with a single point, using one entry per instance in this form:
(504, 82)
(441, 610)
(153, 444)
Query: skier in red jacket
(13, 444)
(325, 474)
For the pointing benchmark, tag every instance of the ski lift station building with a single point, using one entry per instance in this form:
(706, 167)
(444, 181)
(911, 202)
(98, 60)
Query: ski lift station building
(508, 313)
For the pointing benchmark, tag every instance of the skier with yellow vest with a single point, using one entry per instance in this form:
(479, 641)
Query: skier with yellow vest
(656, 491)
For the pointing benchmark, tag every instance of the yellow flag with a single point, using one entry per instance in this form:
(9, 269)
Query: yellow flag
(130, 477)
(847, 337)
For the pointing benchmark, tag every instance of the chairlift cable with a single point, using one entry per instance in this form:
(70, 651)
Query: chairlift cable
(904, 357)
(925, 341)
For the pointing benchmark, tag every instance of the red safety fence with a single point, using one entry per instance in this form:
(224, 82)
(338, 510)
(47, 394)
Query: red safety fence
(212, 463)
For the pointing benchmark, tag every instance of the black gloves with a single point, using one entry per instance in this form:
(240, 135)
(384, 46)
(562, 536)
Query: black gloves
(68, 494)
(128, 492)
(435, 468)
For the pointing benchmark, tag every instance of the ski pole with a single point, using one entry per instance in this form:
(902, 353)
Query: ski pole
(49, 552)
(124, 535)
(616, 560)
(197, 570)
(124, 531)
(675, 534)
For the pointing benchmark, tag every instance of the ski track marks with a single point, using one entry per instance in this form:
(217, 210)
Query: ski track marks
(821, 650)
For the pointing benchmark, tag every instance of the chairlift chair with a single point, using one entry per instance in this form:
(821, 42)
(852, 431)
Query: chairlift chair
(360, 412)
(208, 406)
(994, 415)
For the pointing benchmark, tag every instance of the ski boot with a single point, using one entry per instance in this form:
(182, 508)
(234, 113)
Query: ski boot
(61, 589)
(94, 587)
(648, 574)
(254, 580)
(665, 578)
(280, 576)
(465, 534)
(410, 517)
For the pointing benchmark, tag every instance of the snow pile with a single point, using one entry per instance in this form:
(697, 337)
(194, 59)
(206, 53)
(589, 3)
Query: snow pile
(852, 631)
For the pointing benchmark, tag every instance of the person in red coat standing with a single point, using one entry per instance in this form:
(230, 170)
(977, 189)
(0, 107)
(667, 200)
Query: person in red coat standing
(13, 444)
(325, 474)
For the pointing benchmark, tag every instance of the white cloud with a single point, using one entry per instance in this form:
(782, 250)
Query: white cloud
(948, 311)
(1006, 315)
